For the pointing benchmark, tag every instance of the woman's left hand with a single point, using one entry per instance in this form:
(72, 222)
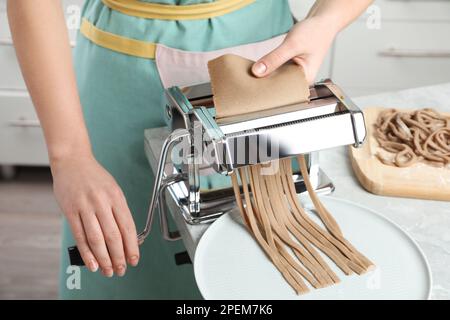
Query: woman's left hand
(306, 44)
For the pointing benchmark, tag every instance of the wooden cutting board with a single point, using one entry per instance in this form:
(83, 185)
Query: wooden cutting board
(418, 181)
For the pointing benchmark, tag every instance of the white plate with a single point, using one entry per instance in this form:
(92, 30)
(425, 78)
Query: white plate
(229, 264)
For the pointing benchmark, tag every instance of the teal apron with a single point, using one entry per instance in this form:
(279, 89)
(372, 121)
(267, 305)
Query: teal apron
(122, 95)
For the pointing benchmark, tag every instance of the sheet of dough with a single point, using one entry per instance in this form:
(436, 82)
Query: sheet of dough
(236, 91)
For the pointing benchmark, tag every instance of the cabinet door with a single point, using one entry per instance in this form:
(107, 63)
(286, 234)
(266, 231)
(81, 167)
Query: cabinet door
(417, 10)
(21, 138)
(402, 54)
(4, 29)
(10, 75)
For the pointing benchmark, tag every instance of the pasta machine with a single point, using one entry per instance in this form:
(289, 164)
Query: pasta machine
(213, 149)
(200, 152)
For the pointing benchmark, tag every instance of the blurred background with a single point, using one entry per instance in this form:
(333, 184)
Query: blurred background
(396, 44)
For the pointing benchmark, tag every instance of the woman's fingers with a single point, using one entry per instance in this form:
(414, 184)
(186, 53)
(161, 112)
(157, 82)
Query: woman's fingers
(127, 228)
(273, 60)
(88, 194)
(96, 240)
(107, 239)
(82, 243)
(113, 240)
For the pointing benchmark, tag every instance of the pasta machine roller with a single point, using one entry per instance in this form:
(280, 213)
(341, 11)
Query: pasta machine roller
(201, 151)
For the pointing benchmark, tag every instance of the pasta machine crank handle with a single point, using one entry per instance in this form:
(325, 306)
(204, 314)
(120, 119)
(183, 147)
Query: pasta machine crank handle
(158, 187)
(175, 136)
(163, 216)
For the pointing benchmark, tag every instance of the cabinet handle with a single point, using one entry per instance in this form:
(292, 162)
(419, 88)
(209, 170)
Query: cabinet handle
(406, 53)
(6, 42)
(25, 123)
(9, 42)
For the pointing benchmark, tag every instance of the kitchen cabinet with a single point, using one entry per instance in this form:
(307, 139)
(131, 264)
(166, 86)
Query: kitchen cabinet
(396, 44)
(10, 75)
(402, 54)
(21, 138)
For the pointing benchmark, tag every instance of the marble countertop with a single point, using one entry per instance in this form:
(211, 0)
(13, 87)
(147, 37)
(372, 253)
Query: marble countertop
(428, 222)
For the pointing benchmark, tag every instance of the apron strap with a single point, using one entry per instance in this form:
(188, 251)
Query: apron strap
(129, 46)
(150, 10)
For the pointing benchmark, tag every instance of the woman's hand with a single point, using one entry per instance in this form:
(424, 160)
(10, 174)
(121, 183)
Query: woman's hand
(306, 44)
(98, 214)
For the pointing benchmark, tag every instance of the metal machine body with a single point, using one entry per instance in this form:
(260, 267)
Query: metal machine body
(329, 119)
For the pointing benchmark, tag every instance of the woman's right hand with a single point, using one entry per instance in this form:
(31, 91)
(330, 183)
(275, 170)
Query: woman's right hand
(98, 214)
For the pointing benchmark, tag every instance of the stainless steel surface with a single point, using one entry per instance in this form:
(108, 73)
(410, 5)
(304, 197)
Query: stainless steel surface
(163, 215)
(330, 117)
(215, 202)
(279, 115)
(357, 117)
(159, 183)
(212, 149)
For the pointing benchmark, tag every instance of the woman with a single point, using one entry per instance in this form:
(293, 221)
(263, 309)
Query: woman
(94, 114)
